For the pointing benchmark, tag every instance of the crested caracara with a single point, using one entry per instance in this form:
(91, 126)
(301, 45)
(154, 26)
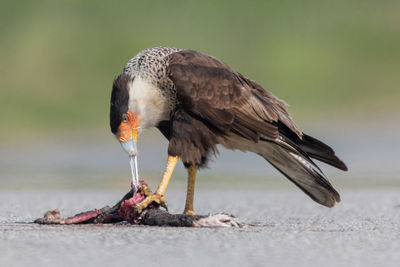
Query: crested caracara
(198, 102)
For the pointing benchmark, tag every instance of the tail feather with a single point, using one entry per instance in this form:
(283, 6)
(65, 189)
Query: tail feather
(313, 147)
(301, 170)
(294, 163)
(320, 151)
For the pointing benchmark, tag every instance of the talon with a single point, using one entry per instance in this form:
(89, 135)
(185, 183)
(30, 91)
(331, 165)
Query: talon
(139, 209)
(150, 198)
(190, 212)
(145, 191)
(164, 205)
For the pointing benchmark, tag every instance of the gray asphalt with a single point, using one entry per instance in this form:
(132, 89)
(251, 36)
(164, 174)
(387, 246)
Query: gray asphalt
(289, 230)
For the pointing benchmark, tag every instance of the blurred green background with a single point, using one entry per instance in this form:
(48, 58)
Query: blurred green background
(332, 61)
(58, 58)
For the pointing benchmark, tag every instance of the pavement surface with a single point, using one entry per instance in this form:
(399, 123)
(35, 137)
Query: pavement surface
(282, 228)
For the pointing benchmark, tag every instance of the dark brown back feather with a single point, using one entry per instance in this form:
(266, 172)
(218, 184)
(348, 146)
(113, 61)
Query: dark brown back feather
(209, 89)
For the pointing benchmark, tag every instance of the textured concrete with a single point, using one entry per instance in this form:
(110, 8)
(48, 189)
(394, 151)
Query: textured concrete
(288, 230)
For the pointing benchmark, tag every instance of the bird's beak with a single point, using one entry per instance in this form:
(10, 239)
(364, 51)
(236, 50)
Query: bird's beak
(128, 140)
(127, 135)
(130, 147)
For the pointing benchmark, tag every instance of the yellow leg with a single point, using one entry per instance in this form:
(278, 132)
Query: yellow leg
(192, 170)
(169, 169)
(158, 197)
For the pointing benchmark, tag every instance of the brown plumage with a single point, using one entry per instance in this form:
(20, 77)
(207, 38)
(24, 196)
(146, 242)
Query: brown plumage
(214, 104)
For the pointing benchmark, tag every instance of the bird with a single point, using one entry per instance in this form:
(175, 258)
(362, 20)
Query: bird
(199, 103)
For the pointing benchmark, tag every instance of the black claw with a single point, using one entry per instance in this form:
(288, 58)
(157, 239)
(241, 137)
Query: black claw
(164, 206)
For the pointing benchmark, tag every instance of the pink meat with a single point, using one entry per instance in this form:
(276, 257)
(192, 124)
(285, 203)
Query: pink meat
(127, 210)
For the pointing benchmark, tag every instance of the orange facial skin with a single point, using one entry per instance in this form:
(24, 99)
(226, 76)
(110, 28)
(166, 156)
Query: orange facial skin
(129, 129)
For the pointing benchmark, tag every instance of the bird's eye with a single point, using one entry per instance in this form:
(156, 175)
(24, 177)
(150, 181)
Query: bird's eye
(125, 117)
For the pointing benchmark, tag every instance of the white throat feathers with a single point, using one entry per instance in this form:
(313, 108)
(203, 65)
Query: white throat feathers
(148, 102)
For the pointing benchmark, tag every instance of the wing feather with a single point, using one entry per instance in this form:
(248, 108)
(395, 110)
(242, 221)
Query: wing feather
(211, 90)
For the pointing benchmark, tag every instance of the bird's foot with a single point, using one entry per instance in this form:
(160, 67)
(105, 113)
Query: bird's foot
(189, 212)
(150, 198)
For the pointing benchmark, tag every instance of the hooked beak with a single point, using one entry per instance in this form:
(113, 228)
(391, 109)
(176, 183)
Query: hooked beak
(130, 147)
(127, 135)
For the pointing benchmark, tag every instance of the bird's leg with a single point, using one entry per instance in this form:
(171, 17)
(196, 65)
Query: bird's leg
(192, 171)
(158, 196)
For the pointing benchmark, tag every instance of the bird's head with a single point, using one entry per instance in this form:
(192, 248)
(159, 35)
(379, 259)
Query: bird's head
(124, 122)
